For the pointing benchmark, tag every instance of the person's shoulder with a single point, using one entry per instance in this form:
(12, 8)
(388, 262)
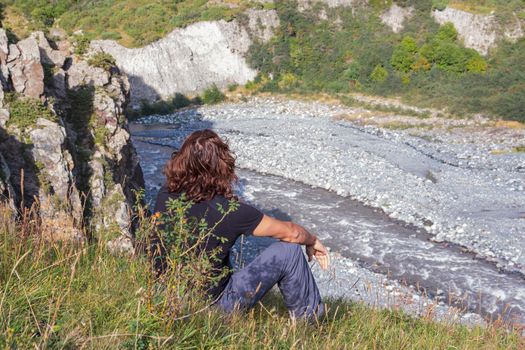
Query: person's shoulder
(163, 196)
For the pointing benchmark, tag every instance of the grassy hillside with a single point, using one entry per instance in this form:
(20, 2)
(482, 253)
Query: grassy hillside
(425, 64)
(60, 296)
(349, 51)
(131, 22)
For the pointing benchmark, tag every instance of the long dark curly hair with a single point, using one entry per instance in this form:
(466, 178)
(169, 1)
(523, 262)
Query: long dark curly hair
(203, 167)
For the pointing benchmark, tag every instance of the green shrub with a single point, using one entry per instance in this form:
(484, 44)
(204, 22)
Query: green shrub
(477, 65)
(81, 43)
(102, 60)
(288, 81)
(158, 107)
(450, 57)
(379, 74)
(180, 101)
(232, 87)
(24, 112)
(212, 95)
(404, 55)
(447, 32)
(439, 4)
(353, 72)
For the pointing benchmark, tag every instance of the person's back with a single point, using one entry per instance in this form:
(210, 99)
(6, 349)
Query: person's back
(227, 227)
(204, 171)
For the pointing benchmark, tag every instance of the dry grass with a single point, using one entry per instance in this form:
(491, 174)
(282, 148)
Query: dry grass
(56, 296)
(471, 6)
(509, 124)
(16, 22)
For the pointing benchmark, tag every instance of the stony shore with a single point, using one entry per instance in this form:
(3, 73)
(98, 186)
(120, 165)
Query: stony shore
(466, 187)
(461, 181)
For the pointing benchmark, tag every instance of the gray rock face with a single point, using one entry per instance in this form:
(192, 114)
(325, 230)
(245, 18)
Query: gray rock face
(395, 16)
(190, 59)
(4, 52)
(114, 170)
(6, 190)
(49, 157)
(23, 62)
(262, 23)
(82, 74)
(48, 55)
(479, 32)
(48, 139)
(4, 114)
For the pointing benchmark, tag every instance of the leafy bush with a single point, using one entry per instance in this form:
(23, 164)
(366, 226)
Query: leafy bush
(287, 81)
(476, 65)
(81, 45)
(212, 95)
(379, 74)
(404, 55)
(447, 32)
(158, 107)
(163, 106)
(102, 60)
(24, 112)
(232, 87)
(439, 4)
(180, 101)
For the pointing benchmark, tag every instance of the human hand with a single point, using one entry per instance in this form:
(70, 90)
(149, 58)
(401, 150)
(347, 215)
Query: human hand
(319, 252)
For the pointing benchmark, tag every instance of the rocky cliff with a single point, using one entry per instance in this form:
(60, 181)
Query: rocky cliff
(190, 59)
(65, 150)
(480, 32)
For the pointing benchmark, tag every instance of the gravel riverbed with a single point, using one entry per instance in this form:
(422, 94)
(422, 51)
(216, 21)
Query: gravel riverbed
(450, 187)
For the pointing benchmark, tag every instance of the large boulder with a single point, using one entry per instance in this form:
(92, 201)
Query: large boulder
(25, 68)
(49, 55)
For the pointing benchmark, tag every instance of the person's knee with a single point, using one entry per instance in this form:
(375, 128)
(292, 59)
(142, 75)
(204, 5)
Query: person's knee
(290, 250)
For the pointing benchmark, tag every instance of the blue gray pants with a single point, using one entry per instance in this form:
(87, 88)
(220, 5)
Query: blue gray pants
(283, 264)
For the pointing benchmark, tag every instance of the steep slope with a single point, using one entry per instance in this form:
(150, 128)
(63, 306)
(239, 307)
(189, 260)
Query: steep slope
(64, 144)
(190, 59)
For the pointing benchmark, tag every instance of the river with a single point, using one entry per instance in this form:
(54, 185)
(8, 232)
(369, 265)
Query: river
(371, 240)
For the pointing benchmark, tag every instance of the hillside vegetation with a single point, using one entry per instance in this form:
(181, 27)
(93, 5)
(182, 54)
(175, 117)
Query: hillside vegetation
(131, 22)
(425, 64)
(348, 51)
(70, 296)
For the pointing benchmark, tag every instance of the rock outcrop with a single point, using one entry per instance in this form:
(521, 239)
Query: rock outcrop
(190, 59)
(479, 32)
(25, 69)
(395, 17)
(64, 145)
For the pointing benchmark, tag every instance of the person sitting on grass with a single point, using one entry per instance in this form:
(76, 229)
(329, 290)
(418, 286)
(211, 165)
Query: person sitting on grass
(204, 170)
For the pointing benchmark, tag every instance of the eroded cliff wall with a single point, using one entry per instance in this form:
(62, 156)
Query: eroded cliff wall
(480, 32)
(190, 59)
(64, 145)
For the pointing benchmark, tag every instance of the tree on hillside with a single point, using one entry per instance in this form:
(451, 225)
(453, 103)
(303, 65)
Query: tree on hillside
(404, 55)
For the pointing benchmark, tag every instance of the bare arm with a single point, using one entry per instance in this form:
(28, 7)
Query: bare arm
(288, 231)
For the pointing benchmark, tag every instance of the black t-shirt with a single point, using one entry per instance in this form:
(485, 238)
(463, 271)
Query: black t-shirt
(243, 220)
